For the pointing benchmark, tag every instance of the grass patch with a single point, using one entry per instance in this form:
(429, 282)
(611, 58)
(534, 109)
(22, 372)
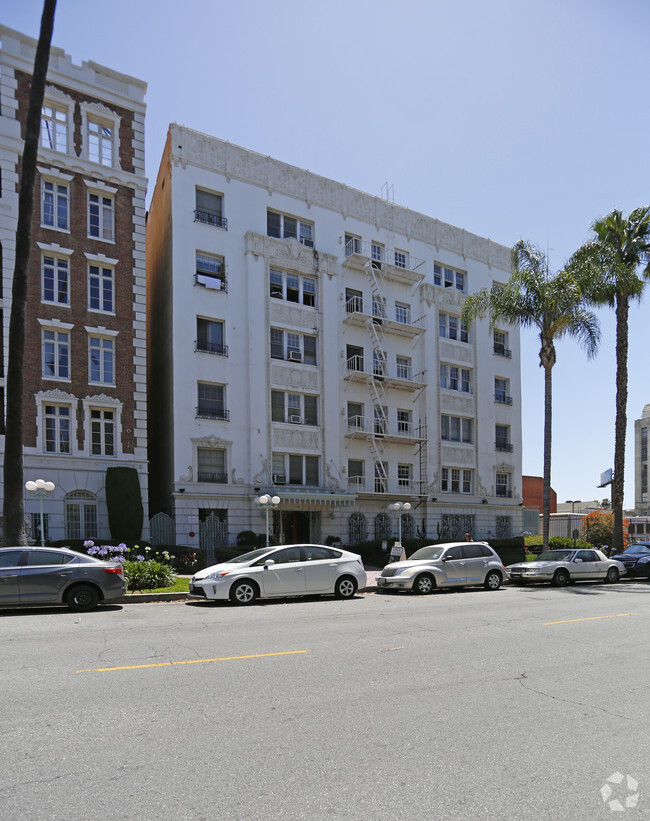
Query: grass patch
(179, 586)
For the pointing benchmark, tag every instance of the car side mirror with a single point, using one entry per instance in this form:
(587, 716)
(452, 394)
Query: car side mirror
(578, 560)
(447, 558)
(269, 563)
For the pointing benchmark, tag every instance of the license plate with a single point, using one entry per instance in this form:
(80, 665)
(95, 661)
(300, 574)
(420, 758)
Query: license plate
(381, 582)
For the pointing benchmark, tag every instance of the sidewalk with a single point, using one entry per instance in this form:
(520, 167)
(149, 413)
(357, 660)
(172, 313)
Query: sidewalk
(132, 598)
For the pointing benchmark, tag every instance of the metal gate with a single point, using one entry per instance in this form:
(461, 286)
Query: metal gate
(213, 534)
(162, 529)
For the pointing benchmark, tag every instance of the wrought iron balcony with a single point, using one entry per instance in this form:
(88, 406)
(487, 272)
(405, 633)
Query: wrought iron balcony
(504, 492)
(501, 350)
(207, 412)
(504, 446)
(211, 347)
(210, 218)
(213, 478)
(503, 399)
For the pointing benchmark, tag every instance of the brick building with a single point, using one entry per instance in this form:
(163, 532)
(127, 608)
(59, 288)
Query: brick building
(85, 369)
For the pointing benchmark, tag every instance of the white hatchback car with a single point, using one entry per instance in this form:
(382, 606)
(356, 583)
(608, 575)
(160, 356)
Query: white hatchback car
(274, 572)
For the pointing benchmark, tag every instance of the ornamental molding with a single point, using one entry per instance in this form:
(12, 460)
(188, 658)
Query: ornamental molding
(210, 442)
(56, 393)
(287, 377)
(290, 255)
(308, 440)
(286, 314)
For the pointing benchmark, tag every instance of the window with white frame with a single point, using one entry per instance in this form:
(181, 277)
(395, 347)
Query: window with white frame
(209, 208)
(377, 254)
(501, 344)
(295, 408)
(502, 390)
(296, 469)
(504, 527)
(404, 478)
(353, 244)
(102, 432)
(381, 420)
(354, 357)
(404, 367)
(210, 271)
(57, 428)
(454, 378)
(100, 141)
(211, 402)
(456, 429)
(405, 422)
(356, 420)
(452, 327)
(55, 204)
(55, 354)
(503, 484)
(54, 127)
(449, 277)
(502, 437)
(379, 363)
(456, 480)
(401, 259)
(55, 279)
(381, 478)
(284, 226)
(293, 347)
(292, 287)
(101, 359)
(356, 474)
(379, 306)
(101, 216)
(210, 336)
(403, 313)
(211, 465)
(80, 515)
(101, 288)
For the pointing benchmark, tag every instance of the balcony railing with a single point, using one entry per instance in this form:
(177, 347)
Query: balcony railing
(203, 412)
(501, 350)
(211, 347)
(380, 370)
(381, 427)
(386, 257)
(210, 218)
(213, 478)
(504, 446)
(503, 399)
(211, 281)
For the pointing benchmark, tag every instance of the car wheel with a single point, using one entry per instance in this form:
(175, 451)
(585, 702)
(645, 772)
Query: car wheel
(492, 580)
(424, 584)
(244, 592)
(561, 578)
(82, 598)
(346, 587)
(612, 575)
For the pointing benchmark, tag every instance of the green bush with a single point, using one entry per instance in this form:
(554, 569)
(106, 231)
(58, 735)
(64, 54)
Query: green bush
(565, 543)
(148, 574)
(184, 559)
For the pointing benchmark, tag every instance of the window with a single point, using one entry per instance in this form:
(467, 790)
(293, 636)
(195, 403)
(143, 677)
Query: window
(293, 347)
(356, 419)
(293, 288)
(297, 469)
(379, 363)
(401, 259)
(402, 313)
(353, 301)
(356, 474)
(80, 515)
(377, 254)
(454, 378)
(54, 128)
(100, 142)
(283, 226)
(501, 344)
(405, 422)
(56, 279)
(357, 528)
(452, 327)
(354, 357)
(504, 527)
(56, 354)
(211, 466)
(57, 428)
(101, 212)
(455, 480)
(379, 306)
(503, 485)
(55, 205)
(209, 336)
(101, 360)
(352, 245)
(404, 369)
(36, 528)
(211, 402)
(502, 438)
(209, 209)
(101, 288)
(382, 526)
(295, 408)
(381, 477)
(448, 277)
(501, 390)
(210, 272)
(102, 432)
(404, 478)
(455, 429)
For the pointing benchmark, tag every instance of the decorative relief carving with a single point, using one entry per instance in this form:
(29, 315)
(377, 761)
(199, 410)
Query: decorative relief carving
(263, 474)
(210, 442)
(186, 477)
(56, 393)
(456, 353)
(331, 481)
(286, 314)
(234, 479)
(455, 403)
(457, 456)
(296, 438)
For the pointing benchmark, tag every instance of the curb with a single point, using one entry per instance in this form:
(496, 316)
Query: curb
(141, 598)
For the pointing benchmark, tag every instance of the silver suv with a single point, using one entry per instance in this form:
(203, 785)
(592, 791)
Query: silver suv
(454, 564)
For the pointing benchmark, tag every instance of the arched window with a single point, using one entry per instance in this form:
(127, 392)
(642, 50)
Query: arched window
(408, 526)
(357, 528)
(382, 526)
(80, 515)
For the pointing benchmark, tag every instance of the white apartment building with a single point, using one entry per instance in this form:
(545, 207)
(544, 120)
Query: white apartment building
(641, 498)
(85, 349)
(305, 341)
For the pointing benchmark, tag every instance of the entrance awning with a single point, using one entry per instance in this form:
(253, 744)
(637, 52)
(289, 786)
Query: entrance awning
(317, 500)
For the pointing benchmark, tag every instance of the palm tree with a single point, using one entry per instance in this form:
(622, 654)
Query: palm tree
(555, 306)
(610, 265)
(14, 515)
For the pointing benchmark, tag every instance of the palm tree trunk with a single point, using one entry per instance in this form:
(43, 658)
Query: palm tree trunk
(548, 426)
(14, 512)
(618, 489)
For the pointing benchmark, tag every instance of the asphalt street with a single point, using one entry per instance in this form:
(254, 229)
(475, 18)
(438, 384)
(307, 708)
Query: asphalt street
(525, 703)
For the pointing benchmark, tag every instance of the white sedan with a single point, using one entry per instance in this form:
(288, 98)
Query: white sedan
(274, 572)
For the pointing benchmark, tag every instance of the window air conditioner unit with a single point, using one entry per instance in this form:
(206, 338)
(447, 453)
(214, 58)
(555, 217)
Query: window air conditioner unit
(295, 419)
(308, 243)
(279, 478)
(295, 356)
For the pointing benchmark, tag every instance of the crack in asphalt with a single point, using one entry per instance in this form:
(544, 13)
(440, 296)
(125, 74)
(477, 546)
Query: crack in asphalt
(524, 677)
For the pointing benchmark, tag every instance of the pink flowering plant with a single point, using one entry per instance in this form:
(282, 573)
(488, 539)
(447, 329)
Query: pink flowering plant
(143, 570)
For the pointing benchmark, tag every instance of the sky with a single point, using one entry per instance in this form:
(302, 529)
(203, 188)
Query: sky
(512, 119)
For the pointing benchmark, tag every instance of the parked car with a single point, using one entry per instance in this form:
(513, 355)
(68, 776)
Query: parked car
(563, 566)
(51, 575)
(454, 564)
(289, 570)
(636, 559)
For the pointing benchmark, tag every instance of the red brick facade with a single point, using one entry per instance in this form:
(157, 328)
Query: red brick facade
(532, 493)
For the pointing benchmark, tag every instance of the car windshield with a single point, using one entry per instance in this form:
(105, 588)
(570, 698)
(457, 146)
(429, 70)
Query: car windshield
(639, 549)
(431, 552)
(555, 556)
(249, 557)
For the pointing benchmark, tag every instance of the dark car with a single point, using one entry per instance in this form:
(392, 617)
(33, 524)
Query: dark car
(636, 559)
(51, 575)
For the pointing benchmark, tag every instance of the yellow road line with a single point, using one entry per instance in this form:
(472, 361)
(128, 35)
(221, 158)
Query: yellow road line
(192, 661)
(591, 618)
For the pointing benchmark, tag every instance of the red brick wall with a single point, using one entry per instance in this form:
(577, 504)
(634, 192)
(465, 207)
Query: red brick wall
(532, 492)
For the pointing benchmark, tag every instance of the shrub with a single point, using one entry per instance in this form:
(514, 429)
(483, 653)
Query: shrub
(566, 543)
(246, 537)
(148, 574)
(184, 559)
(510, 551)
(124, 503)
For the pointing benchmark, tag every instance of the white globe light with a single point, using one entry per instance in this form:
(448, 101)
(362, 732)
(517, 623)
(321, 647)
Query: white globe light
(40, 483)
(257, 500)
(31, 486)
(407, 505)
(275, 500)
(265, 499)
(49, 486)
(392, 506)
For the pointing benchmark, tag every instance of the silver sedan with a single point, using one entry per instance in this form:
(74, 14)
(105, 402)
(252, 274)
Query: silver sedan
(559, 567)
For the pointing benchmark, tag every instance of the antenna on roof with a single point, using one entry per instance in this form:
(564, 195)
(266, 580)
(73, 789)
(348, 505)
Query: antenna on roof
(388, 192)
